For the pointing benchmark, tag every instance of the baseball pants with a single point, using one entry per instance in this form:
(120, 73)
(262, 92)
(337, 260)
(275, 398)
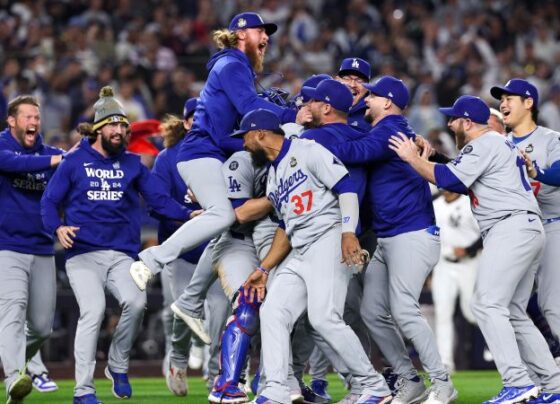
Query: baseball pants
(90, 274)
(449, 282)
(205, 179)
(35, 366)
(548, 278)
(27, 304)
(166, 313)
(505, 278)
(392, 285)
(314, 280)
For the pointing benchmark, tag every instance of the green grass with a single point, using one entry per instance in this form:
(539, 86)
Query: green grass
(474, 387)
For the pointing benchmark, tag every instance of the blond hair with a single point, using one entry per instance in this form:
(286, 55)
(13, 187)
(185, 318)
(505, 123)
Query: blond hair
(224, 38)
(172, 129)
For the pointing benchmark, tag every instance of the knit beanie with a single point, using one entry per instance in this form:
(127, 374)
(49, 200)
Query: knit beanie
(108, 109)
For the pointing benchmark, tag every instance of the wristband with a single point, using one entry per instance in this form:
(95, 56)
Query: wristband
(263, 270)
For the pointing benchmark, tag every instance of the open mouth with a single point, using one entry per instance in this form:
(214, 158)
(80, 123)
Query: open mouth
(116, 139)
(30, 133)
(262, 48)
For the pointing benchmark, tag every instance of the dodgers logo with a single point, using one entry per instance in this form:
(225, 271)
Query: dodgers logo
(285, 187)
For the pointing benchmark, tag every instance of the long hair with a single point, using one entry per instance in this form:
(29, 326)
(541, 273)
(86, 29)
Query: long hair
(172, 129)
(85, 129)
(224, 38)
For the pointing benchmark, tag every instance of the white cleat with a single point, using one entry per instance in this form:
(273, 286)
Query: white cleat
(196, 357)
(141, 274)
(176, 379)
(441, 392)
(195, 324)
(409, 391)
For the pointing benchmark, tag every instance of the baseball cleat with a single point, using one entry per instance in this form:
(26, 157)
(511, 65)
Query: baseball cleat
(409, 391)
(195, 324)
(230, 394)
(196, 357)
(43, 383)
(141, 274)
(319, 387)
(176, 380)
(121, 386)
(87, 399)
(367, 399)
(309, 396)
(391, 378)
(19, 389)
(546, 398)
(351, 398)
(511, 395)
(441, 392)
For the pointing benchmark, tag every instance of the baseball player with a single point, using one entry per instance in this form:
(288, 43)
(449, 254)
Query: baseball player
(228, 94)
(408, 247)
(492, 171)
(519, 105)
(303, 183)
(178, 272)
(354, 72)
(98, 187)
(28, 276)
(455, 273)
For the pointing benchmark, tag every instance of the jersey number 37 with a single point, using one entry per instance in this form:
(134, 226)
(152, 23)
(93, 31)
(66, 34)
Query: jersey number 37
(302, 202)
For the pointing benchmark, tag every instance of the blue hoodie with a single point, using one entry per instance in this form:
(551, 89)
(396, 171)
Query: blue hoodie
(229, 93)
(166, 173)
(356, 116)
(24, 174)
(400, 198)
(101, 196)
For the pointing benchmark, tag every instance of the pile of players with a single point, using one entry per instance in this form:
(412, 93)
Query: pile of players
(273, 205)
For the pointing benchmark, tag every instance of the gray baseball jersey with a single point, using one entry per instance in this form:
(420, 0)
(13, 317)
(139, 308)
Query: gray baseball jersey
(494, 171)
(299, 185)
(543, 146)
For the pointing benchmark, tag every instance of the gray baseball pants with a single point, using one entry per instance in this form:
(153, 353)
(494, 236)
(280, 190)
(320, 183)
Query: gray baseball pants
(392, 285)
(27, 304)
(314, 280)
(90, 274)
(548, 278)
(205, 179)
(504, 282)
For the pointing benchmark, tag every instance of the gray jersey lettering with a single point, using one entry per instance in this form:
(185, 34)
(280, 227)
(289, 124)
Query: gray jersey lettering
(543, 146)
(300, 190)
(493, 170)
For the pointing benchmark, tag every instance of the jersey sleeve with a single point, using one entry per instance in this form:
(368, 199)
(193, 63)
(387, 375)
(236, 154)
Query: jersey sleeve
(325, 166)
(239, 176)
(471, 162)
(554, 149)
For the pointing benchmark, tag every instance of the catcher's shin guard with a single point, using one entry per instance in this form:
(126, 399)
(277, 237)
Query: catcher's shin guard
(242, 325)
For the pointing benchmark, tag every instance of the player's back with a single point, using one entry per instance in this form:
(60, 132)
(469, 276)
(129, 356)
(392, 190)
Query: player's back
(498, 180)
(543, 146)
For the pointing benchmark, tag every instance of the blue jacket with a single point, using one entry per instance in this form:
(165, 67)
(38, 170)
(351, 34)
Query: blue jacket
(356, 116)
(400, 198)
(101, 196)
(24, 174)
(166, 173)
(229, 93)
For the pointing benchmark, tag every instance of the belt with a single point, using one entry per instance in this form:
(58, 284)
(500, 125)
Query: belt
(551, 220)
(433, 230)
(452, 260)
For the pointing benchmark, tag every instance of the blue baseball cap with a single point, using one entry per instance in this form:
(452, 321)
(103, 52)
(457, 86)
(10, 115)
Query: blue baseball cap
(516, 87)
(331, 92)
(312, 81)
(468, 106)
(189, 107)
(258, 119)
(356, 66)
(392, 88)
(251, 20)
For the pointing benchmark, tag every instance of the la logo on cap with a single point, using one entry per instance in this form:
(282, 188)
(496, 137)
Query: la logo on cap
(242, 22)
(528, 93)
(466, 113)
(327, 98)
(390, 94)
(253, 125)
(355, 64)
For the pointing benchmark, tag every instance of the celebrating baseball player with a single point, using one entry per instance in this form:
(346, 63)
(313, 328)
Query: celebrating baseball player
(97, 186)
(28, 276)
(354, 72)
(313, 195)
(228, 94)
(492, 171)
(408, 246)
(519, 105)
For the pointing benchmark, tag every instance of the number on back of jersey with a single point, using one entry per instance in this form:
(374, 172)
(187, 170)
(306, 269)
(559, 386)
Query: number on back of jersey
(234, 186)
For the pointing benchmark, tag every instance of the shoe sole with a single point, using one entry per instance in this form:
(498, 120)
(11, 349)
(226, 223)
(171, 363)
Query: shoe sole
(20, 389)
(227, 400)
(108, 376)
(134, 270)
(192, 323)
(47, 390)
